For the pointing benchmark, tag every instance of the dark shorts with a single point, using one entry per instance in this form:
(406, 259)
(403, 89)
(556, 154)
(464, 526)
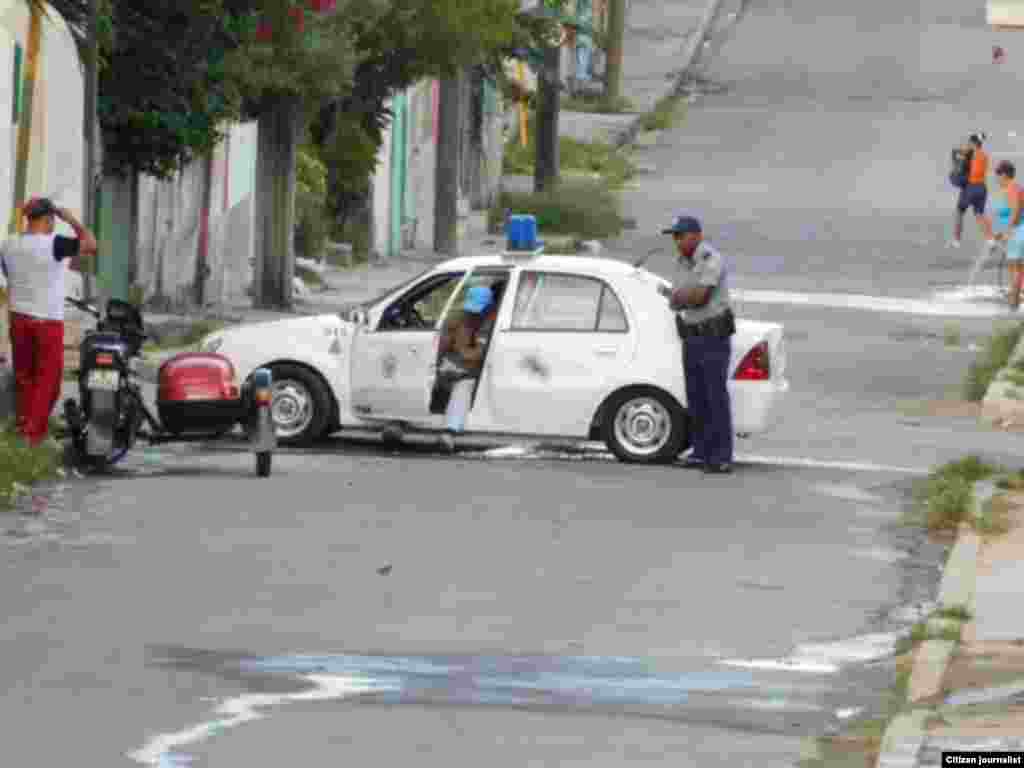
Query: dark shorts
(973, 196)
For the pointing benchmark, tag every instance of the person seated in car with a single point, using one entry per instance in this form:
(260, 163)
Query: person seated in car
(461, 356)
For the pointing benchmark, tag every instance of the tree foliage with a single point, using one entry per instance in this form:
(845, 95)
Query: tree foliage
(397, 45)
(165, 90)
(314, 63)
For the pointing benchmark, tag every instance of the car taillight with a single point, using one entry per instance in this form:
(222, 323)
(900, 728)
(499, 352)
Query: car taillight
(104, 359)
(755, 365)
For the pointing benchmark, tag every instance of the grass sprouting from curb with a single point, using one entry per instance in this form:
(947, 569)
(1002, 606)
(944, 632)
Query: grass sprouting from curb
(990, 360)
(954, 613)
(994, 518)
(944, 497)
(611, 164)
(664, 114)
(597, 104)
(22, 465)
(587, 209)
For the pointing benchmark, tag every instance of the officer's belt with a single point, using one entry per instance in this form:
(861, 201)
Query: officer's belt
(723, 324)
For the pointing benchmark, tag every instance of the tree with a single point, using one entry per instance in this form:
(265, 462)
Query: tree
(302, 60)
(396, 45)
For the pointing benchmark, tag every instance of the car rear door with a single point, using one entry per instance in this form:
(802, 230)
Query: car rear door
(568, 340)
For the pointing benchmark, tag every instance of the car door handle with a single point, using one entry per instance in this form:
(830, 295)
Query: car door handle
(606, 351)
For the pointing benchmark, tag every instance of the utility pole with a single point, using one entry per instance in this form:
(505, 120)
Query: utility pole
(35, 30)
(446, 198)
(90, 137)
(549, 82)
(613, 58)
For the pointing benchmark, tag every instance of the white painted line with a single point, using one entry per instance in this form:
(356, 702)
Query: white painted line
(851, 466)
(783, 665)
(938, 307)
(529, 452)
(826, 658)
(244, 709)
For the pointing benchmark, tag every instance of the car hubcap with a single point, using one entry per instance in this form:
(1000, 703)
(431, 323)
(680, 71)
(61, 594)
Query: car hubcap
(643, 426)
(291, 408)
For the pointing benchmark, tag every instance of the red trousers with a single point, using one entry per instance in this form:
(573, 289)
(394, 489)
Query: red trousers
(37, 352)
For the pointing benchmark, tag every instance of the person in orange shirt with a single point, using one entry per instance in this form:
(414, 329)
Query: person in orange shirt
(975, 193)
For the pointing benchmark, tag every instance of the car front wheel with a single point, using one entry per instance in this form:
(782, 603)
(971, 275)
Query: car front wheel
(300, 406)
(645, 426)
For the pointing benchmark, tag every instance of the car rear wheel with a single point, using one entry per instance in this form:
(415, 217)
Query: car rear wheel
(645, 426)
(300, 405)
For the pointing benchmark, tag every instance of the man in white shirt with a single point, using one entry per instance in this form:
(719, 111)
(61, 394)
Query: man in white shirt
(35, 264)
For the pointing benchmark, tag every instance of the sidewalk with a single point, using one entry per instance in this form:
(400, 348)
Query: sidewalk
(970, 696)
(653, 45)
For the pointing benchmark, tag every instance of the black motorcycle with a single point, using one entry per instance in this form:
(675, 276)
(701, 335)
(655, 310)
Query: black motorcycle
(198, 398)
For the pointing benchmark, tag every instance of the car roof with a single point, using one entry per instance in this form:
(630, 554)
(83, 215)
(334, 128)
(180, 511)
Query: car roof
(589, 264)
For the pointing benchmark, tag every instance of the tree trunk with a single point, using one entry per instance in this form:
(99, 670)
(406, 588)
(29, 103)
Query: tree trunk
(279, 131)
(613, 60)
(446, 199)
(203, 257)
(546, 162)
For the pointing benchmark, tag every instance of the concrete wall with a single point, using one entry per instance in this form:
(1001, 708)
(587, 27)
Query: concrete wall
(381, 200)
(170, 216)
(421, 189)
(55, 159)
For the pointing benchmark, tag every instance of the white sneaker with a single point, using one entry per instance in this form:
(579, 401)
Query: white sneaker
(953, 244)
(991, 244)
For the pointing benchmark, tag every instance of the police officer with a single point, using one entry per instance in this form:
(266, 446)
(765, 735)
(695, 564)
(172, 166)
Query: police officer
(705, 321)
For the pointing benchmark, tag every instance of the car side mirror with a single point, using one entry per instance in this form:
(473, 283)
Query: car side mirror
(360, 317)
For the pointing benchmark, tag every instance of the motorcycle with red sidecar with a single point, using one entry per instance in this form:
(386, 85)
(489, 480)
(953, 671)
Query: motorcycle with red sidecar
(198, 395)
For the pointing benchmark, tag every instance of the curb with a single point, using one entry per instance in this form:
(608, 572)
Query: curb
(629, 134)
(1003, 403)
(905, 735)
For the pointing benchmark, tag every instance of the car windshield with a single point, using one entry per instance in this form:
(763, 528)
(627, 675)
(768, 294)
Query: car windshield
(368, 303)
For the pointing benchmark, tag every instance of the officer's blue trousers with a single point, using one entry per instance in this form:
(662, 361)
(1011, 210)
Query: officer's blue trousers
(706, 365)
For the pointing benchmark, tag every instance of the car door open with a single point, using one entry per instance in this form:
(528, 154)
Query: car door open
(392, 363)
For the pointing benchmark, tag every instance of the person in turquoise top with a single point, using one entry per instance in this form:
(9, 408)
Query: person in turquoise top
(1006, 226)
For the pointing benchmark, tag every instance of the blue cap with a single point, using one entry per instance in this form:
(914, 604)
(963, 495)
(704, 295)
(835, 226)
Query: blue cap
(478, 299)
(683, 225)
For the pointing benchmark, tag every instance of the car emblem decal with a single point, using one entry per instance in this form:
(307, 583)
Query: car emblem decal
(388, 366)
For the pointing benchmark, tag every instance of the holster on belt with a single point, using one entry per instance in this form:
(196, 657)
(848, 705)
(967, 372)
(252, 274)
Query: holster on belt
(722, 325)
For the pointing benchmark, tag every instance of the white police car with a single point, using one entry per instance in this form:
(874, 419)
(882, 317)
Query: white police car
(579, 347)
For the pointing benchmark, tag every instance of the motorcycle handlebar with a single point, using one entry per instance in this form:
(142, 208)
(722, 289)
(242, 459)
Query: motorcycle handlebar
(84, 306)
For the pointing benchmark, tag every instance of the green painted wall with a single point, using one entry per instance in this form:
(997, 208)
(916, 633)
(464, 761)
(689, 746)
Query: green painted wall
(399, 173)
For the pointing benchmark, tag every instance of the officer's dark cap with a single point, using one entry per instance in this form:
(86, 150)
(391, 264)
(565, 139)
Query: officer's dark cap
(683, 225)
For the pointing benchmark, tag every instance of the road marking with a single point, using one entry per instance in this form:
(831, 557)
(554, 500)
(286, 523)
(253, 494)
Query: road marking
(850, 466)
(159, 751)
(530, 452)
(827, 658)
(948, 305)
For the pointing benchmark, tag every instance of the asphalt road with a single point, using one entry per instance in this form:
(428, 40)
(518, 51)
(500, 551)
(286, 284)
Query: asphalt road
(552, 607)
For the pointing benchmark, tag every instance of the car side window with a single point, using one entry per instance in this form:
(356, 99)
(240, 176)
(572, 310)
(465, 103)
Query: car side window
(420, 309)
(547, 301)
(611, 316)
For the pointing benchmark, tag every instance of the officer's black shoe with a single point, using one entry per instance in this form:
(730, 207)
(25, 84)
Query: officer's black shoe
(691, 463)
(718, 469)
